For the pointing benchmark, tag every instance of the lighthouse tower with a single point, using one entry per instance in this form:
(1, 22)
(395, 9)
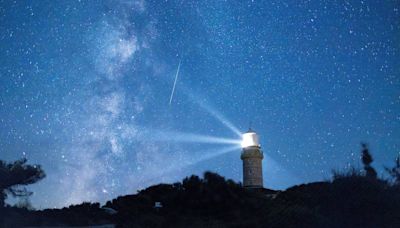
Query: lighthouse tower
(252, 160)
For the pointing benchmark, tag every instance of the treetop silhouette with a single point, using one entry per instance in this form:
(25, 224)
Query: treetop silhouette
(367, 160)
(15, 175)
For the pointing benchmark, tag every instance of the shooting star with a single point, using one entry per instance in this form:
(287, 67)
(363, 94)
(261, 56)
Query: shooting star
(173, 88)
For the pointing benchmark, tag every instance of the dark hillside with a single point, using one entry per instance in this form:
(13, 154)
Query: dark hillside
(352, 200)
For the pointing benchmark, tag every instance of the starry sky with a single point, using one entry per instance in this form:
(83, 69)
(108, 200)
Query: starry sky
(85, 89)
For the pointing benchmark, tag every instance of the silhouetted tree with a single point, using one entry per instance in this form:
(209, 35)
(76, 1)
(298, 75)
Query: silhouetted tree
(24, 202)
(395, 171)
(367, 160)
(17, 174)
(213, 178)
(192, 183)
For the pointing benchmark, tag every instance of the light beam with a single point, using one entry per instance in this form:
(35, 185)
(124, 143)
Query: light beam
(214, 113)
(172, 136)
(178, 166)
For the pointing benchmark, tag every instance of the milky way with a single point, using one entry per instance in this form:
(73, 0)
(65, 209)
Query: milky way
(85, 89)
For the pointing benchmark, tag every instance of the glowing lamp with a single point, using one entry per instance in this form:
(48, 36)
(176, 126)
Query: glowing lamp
(250, 139)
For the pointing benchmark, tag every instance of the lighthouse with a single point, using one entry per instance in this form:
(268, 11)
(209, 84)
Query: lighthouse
(252, 160)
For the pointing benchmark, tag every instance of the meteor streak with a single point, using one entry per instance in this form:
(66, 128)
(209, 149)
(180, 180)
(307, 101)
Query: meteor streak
(176, 78)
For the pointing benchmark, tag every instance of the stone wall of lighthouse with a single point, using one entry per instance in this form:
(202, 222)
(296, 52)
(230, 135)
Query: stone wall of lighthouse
(252, 167)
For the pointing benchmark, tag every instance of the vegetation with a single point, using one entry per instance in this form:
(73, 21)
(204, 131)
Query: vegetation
(15, 175)
(366, 159)
(395, 172)
(352, 198)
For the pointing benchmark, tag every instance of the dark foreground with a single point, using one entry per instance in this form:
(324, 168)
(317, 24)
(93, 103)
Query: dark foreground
(347, 201)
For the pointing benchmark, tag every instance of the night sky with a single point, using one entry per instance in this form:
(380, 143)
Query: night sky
(85, 89)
